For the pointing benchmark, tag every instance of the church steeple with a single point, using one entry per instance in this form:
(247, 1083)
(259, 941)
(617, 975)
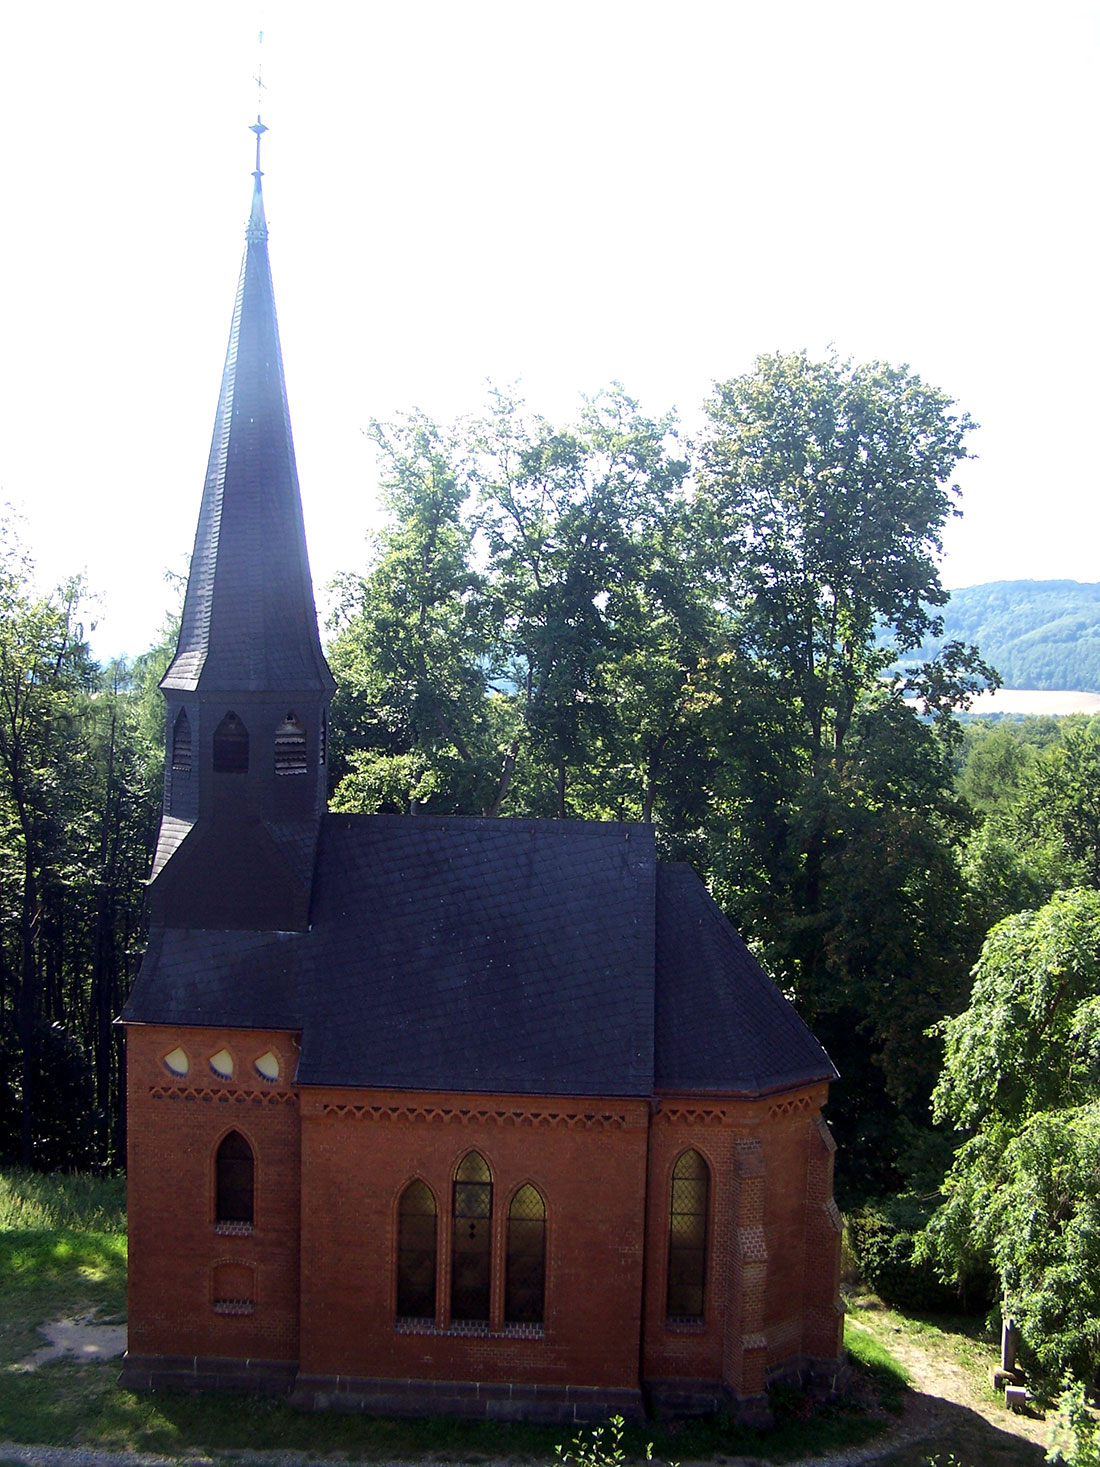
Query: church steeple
(248, 689)
(249, 619)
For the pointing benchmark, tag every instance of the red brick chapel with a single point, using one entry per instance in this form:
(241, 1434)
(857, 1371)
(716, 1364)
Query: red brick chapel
(477, 1116)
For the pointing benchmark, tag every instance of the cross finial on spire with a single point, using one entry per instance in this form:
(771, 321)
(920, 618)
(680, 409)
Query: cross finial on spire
(259, 129)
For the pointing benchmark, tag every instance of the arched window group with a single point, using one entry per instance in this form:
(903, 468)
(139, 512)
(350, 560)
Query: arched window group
(473, 1239)
(687, 1237)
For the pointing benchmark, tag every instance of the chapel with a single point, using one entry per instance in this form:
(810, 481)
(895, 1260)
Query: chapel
(491, 1117)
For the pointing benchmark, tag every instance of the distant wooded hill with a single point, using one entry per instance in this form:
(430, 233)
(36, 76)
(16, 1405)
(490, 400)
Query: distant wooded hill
(1037, 634)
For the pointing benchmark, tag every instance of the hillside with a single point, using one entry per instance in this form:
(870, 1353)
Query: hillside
(1037, 634)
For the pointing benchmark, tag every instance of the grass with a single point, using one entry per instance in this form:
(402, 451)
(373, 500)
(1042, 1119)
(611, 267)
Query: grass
(63, 1252)
(891, 1378)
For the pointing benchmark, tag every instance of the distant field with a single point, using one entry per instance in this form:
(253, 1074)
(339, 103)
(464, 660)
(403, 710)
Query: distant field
(1032, 700)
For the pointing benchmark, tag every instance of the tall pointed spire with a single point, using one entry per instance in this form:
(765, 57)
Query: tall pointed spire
(248, 689)
(249, 620)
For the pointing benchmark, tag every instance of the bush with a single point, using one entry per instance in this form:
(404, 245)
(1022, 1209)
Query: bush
(883, 1238)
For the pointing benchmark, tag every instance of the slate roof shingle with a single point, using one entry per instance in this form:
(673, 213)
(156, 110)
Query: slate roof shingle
(516, 956)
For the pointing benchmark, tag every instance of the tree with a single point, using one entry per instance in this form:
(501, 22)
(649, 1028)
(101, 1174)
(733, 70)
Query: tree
(824, 488)
(44, 674)
(411, 716)
(599, 619)
(1021, 1078)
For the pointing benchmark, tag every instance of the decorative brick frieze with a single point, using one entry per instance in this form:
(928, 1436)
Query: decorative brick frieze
(478, 1116)
(223, 1095)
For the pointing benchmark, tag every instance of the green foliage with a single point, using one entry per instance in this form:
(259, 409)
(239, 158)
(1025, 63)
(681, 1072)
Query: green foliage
(79, 795)
(1021, 1074)
(599, 1446)
(824, 488)
(883, 1237)
(1074, 1434)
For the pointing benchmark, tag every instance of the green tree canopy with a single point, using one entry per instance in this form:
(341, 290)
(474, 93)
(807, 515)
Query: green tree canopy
(1022, 1075)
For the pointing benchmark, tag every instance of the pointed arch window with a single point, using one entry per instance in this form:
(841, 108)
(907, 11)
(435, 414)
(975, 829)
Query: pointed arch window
(525, 1263)
(235, 1172)
(181, 743)
(687, 1237)
(290, 746)
(231, 746)
(416, 1252)
(471, 1274)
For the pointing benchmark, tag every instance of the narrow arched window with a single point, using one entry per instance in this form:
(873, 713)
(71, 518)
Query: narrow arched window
(231, 746)
(416, 1251)
(235, 1171)
(181, 743)
(525, 1265)
(687, 1237)
(472, 1239)
(290, 746)
(324, 736)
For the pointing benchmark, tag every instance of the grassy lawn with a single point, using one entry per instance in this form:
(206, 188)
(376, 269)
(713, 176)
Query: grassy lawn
(63, 1252)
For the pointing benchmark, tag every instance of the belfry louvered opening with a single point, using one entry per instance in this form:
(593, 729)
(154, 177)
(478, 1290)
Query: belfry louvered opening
(231, 746)
(687, 1237)
(181, 743)
(290, 746)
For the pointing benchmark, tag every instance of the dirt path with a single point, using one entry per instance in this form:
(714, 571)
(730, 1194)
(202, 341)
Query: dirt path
(945, 1411)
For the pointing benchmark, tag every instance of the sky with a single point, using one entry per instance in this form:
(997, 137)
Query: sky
(562, 196)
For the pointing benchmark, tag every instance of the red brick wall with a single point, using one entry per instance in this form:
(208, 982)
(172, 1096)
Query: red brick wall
(773, 1248)
(773, 1231)
(587, 1158)
(175, 1125)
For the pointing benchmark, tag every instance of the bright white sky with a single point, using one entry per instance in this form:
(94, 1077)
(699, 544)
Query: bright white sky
(460, 190)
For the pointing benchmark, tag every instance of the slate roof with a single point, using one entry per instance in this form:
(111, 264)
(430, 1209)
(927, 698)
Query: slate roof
(249, 620)
(518, 956)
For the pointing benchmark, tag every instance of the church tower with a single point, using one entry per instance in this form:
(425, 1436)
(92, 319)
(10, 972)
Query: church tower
(247, 692)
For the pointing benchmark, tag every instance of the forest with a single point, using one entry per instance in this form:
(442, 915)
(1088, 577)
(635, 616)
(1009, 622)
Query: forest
(601, 620)
(1038, 634)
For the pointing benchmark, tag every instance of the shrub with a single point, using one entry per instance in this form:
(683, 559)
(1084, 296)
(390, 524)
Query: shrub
(883, 1239)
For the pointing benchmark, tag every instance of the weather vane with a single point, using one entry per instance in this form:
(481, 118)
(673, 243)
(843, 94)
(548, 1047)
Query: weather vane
(257, 127)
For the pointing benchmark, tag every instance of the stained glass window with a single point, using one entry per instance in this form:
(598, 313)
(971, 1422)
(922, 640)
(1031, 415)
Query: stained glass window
(687, 1237)
(472, 1239)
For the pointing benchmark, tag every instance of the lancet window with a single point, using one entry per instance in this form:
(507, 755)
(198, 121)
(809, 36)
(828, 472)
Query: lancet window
(416, 1252)
(234, 1176)
(687, 1237)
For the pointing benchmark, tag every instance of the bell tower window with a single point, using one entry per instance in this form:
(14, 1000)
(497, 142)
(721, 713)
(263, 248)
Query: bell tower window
(290, 746)
(231, 746)
(181, 743)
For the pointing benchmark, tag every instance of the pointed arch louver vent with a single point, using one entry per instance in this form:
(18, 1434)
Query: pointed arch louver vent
(181, 743)
(290, 746)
